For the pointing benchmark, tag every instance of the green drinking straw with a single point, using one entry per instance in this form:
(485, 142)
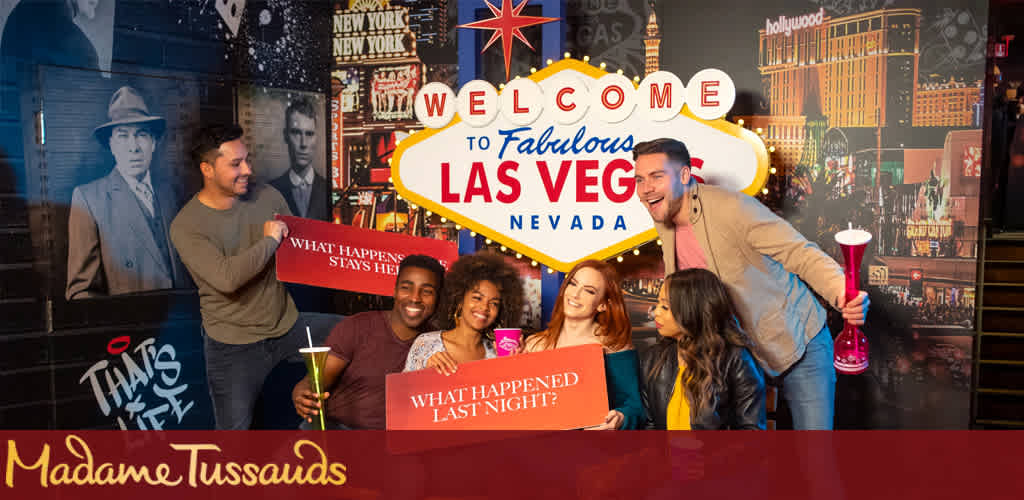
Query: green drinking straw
(316, 382)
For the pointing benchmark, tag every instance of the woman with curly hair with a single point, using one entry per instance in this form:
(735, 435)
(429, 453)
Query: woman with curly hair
(700, 375)
(590, 310)
(480, 292)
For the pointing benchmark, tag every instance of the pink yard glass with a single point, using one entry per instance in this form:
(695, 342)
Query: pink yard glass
(851, 346)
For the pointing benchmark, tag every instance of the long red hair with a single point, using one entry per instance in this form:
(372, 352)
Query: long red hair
(613, 323)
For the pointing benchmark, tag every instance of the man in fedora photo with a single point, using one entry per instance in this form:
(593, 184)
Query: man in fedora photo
(118, 227)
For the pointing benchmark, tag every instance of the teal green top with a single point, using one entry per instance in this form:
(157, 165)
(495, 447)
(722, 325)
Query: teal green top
(622, 371)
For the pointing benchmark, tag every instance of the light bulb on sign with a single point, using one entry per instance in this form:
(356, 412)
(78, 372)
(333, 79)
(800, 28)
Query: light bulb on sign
(503, 248)
(659, 242)
(636, 251)
(443, 220)
(488, 241)
(566, 55)
(619, 258)
(533, 263)
(519, 255)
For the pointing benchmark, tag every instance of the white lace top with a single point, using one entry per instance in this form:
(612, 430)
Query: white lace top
(428, 344)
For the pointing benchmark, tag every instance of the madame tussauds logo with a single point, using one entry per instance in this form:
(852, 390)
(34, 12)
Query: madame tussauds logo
(787, 25)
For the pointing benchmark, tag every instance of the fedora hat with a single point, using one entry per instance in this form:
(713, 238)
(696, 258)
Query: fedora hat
(127, 107)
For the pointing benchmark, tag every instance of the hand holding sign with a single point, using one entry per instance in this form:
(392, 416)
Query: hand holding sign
(275, 229)
(612, 421)
(443, 362)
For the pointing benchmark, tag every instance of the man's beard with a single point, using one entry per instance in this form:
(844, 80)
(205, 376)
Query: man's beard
(674, 206)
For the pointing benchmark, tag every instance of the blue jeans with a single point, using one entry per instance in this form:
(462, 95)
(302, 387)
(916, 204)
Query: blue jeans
(236, 372)
(809, 386)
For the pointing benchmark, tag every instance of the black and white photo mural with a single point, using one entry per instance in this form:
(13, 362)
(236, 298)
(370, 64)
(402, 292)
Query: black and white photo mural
(287, 138)
(78, 33)
(116, 160)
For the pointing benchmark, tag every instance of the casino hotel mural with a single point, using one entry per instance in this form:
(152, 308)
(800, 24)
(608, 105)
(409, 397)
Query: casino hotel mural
(873, 114)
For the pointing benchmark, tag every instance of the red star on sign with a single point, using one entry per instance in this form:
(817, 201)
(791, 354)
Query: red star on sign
(506, 24)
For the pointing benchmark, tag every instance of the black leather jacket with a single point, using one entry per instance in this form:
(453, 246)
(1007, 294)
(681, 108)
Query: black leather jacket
(742, 406)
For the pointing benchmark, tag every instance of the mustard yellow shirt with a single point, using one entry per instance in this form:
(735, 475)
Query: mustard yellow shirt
(677, 415)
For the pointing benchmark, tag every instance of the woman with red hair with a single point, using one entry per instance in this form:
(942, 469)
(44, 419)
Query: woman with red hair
(590, 310)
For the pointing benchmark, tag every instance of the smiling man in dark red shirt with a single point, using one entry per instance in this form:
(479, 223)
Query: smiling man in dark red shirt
(368, 346)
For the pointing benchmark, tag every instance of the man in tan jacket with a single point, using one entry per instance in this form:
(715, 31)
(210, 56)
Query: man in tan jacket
(767, 266)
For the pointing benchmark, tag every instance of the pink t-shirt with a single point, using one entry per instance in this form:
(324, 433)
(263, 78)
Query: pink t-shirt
(688, 251)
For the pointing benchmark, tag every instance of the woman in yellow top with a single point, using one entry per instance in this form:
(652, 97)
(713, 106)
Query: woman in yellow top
(700, 375)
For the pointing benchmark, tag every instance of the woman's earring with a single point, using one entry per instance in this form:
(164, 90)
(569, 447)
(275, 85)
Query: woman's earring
(456, 314)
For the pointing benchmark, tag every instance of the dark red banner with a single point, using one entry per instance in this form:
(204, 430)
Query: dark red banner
(350, 258)
(176, 465)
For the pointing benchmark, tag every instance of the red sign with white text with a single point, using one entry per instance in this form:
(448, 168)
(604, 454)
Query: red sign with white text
(548, 390)
(350, 258)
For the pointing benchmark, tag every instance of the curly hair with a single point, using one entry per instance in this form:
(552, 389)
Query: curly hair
(465, 274)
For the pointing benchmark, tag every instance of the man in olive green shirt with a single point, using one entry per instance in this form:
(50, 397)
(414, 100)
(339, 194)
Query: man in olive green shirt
(227, 236)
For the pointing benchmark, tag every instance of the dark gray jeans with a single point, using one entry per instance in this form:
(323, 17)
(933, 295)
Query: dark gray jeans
(235, 373)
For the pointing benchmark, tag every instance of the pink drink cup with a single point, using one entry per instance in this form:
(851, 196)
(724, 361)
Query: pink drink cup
(506, 340)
